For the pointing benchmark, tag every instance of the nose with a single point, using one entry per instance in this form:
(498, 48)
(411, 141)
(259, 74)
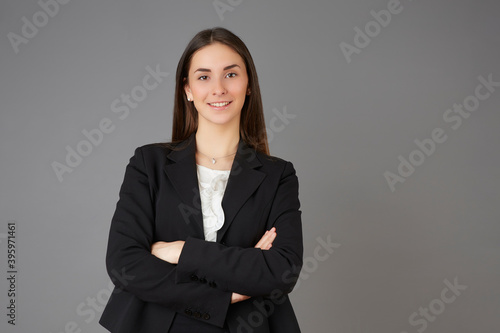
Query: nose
(219, 88)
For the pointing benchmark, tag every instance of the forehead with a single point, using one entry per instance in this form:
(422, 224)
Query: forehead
(215, 56)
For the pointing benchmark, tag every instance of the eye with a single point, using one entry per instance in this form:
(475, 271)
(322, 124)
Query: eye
(231, 75)
(203, 78)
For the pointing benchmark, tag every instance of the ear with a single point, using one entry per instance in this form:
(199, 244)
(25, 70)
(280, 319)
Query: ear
(187, 90)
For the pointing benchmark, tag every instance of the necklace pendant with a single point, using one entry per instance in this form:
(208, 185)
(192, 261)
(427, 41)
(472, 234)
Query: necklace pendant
(213, 160)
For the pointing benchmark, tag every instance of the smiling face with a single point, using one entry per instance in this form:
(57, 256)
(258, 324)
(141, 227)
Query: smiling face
(217, 84)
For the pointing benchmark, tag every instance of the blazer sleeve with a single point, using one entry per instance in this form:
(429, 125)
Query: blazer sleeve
(251, 271)
(148, 277)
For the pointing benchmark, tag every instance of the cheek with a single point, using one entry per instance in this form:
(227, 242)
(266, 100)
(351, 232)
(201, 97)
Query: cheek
(240, 88)
(198, 89)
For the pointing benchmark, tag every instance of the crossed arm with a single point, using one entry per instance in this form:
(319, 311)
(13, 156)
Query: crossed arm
(171, 252)
(162, 272)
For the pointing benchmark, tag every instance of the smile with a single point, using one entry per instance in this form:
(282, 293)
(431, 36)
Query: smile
(219, 104)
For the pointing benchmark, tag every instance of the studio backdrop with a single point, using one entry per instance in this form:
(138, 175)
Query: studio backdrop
(388, 109)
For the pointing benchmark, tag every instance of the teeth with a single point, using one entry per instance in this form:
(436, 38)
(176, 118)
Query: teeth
(219, 104)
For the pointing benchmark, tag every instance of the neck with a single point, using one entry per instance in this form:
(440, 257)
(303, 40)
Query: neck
(217, 141)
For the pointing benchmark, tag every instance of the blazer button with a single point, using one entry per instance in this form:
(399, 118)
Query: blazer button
(203, 280)
(206, 316)
(194, 278)
(188, 312)
(196, 314)
(212, 284)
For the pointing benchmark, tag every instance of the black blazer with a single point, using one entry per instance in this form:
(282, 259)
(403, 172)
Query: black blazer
(160, 201)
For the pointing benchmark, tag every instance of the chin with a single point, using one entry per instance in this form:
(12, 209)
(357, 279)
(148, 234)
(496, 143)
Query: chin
(222, 119)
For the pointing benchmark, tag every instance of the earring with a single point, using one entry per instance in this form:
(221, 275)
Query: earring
(189, 99)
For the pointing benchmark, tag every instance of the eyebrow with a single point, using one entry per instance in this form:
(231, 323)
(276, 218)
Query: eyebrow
(208, 70)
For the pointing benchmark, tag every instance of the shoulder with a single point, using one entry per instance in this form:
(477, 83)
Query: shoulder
(158, 150)
(276, 164)
(151, 151)
(150, 160)
(153, 156)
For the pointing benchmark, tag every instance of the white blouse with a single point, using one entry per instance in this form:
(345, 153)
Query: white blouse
(212, 184)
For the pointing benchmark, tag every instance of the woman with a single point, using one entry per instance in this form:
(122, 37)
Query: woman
(206, 236)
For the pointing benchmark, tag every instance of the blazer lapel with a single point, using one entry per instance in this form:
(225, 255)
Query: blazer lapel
(183, 176)
(242, 183)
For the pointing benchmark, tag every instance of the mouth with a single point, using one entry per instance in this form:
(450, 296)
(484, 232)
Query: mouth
(219, 104)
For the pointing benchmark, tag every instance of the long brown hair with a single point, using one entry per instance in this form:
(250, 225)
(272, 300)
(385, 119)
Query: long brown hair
(252, 123)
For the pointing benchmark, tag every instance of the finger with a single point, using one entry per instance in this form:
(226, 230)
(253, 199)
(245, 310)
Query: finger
(267, 239)
(264, 239)
(271, 240)
(270, 236)
(269, 246)
(261, 240)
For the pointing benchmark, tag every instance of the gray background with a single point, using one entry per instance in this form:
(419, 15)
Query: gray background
(394, 249)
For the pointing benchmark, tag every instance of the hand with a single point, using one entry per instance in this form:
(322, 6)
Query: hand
(235, 298)
(265, 243)
(168, 251)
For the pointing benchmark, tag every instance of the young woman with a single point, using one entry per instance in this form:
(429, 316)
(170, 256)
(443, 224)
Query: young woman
(207, 235)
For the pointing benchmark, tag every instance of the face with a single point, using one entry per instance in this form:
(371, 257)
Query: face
(217, 84)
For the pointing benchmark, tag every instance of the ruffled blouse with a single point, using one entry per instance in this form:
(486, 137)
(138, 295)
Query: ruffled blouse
(212, 184)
